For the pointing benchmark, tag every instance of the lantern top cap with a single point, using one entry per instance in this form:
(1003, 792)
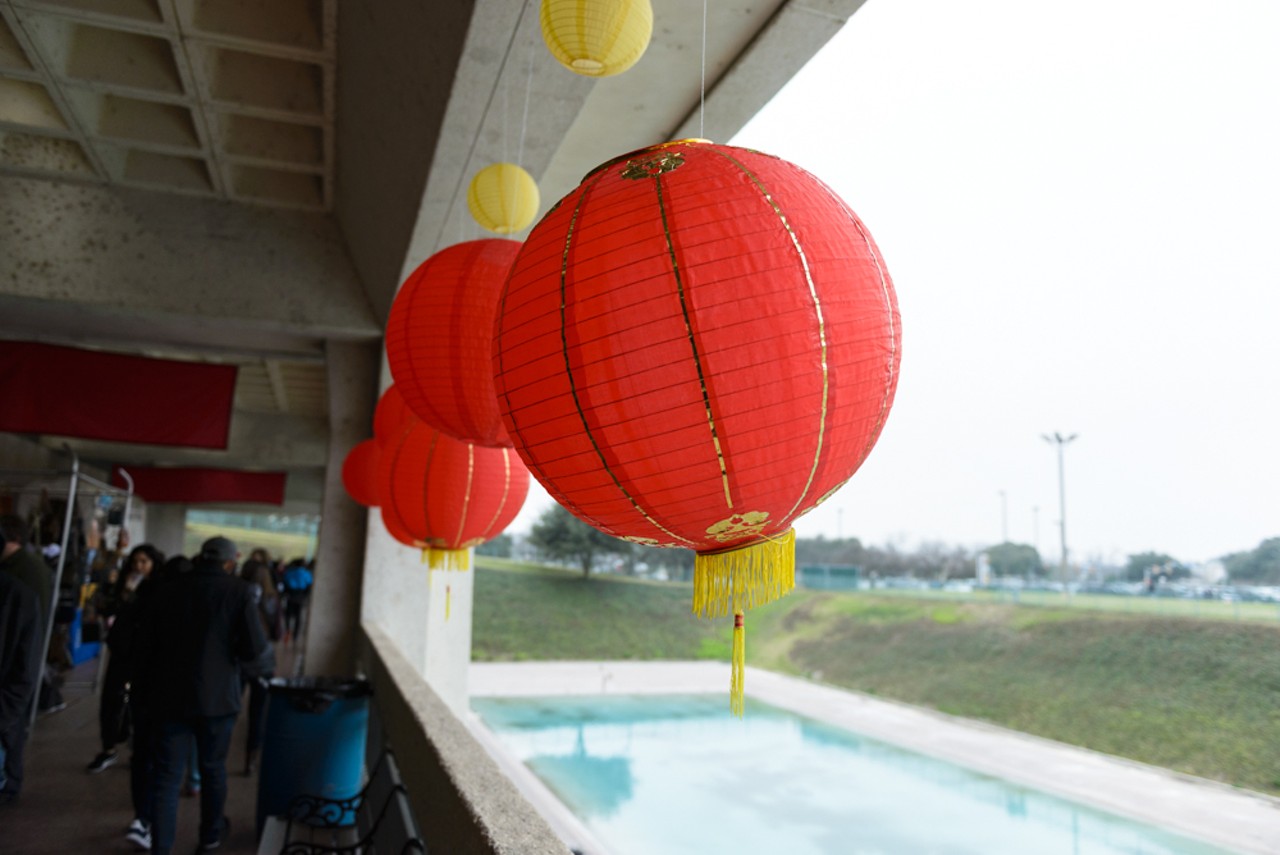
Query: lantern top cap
(659, 147)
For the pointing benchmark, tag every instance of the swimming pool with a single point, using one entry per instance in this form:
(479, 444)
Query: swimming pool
(678, 774)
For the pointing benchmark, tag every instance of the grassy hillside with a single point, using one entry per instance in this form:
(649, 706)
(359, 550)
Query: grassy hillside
(528, 612)
(1201, 697)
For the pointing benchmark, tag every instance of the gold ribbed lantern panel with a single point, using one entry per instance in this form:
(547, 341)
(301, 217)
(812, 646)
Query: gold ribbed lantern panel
(597, 38)
(503, 198)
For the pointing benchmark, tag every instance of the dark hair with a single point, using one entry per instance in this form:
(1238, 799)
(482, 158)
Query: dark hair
(174, 566)
(156, 556)
(14, 529)
(259, 573)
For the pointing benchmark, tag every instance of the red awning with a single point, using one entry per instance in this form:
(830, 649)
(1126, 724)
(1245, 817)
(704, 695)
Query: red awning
(195, 485)
(95, 395)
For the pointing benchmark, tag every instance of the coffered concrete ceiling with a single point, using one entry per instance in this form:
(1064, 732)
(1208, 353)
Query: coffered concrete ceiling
(248, 180)
(213, 98)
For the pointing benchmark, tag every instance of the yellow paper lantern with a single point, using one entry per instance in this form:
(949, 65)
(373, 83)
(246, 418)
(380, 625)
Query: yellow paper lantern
(597, 38)
(503, 198)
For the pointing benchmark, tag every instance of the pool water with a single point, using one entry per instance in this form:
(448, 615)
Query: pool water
(678, 774)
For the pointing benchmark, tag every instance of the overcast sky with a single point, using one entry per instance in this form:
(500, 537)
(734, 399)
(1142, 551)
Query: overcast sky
(1080, 207)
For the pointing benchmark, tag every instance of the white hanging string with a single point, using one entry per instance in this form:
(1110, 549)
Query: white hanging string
(702, 95)
(528, 89)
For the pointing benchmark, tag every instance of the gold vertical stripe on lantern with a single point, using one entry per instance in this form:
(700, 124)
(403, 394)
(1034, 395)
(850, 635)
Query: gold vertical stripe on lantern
(503, 198)
(597, 38)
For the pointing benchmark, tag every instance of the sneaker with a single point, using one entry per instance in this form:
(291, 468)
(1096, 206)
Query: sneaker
(102, 761)
(139, 834)
(216, 841)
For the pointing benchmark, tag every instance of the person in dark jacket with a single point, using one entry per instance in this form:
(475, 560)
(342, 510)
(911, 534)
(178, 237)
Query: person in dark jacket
(24, 565)
(142, 762)
(28, 573)
(197, 630)
(20, 644)
(114, 713)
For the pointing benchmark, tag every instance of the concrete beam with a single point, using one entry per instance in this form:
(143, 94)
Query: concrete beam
(575, 123)
(797, 30)
(256, 441)
(642, 106)
(503, 61)
(160, 335)
(157, 259)
(398, 63)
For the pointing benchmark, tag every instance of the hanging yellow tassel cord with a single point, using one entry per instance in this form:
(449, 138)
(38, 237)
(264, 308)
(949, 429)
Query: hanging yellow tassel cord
(448, 599)
(737, 684)
(448, 559)
(735, 580)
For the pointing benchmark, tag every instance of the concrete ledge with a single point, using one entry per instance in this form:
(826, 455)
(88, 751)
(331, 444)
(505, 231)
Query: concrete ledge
(462, 801)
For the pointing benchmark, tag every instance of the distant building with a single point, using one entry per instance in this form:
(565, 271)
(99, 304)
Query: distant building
(1213, 572)
(828, 577)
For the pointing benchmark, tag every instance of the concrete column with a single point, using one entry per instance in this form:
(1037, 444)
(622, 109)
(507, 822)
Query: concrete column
(334, 611)
(166, 525)
(425, 613)
(397, 598)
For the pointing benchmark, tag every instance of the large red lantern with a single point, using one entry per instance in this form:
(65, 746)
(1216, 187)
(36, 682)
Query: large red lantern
(696, 346)
(447, 495)
(440, 339)
(360, 473)
(389, 415)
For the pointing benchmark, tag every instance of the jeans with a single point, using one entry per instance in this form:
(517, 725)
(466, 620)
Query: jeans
(142, 767)
(257, 708)
(113, 708)
(173, 739)
(13, 745)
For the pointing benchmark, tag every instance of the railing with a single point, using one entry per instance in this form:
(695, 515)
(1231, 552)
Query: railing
(1205, 609)
(462, 801)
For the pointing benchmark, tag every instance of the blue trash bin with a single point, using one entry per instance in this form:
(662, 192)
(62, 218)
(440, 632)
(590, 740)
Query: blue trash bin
(314, 741)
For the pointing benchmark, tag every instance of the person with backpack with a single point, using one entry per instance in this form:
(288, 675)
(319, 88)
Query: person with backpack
(297, 586)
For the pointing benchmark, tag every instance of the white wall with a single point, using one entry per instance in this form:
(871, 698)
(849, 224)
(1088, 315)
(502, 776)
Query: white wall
(407, 602)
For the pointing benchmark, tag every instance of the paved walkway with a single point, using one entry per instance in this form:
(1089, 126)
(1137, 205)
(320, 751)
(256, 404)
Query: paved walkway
(1226, 816)
(64, 809)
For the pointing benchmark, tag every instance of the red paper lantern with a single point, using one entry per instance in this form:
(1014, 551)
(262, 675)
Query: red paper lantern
(447, 495)
(392, 525)
(360, 473)
(696, 346)
(440, 339)
(390, 414)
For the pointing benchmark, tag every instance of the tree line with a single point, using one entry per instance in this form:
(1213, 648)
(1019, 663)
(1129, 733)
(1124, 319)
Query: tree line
(560, 537)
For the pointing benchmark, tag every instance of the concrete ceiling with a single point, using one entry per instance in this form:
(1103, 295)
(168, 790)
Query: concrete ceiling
(241, 181)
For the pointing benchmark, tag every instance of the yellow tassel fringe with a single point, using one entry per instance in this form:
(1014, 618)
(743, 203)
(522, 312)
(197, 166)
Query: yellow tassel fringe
(448, 599)
(733, 581)
(448, 559)
(737, 684)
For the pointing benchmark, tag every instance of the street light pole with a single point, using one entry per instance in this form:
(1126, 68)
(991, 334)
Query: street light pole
(1004, 517)
(1061, 441)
